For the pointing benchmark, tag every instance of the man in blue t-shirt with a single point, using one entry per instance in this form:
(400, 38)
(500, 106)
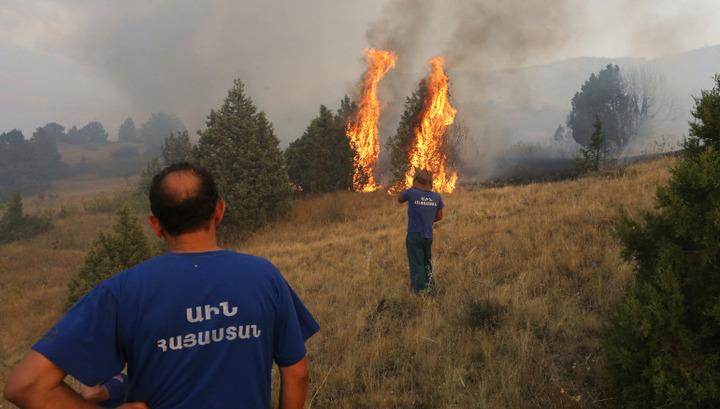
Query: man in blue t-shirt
(424, 209)
(197, 327)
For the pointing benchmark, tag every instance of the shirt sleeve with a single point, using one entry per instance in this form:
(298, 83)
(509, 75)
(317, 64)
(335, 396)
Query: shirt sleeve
(405, 195)
(84, 343)
(294, 326)
(440, 202)
(118, 388)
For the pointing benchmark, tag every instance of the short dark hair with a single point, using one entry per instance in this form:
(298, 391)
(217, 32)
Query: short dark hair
(423, 177)
(180, 213)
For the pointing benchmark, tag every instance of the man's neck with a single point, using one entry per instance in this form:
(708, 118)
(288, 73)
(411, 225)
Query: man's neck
(193, 242)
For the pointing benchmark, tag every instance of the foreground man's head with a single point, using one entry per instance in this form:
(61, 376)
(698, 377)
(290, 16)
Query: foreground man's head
(185, 204)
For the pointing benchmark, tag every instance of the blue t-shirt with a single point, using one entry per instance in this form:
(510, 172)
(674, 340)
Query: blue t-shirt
(118, 388)
(196, 330)
(422, 208)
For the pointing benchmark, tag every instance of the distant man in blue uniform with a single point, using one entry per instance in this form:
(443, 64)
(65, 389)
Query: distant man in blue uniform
(425, 207)
(197, 327)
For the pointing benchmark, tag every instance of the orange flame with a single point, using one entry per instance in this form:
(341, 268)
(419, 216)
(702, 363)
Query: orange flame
(429, 148)
(362, 130)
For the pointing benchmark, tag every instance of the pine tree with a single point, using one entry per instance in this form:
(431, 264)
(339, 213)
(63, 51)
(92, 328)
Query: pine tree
(176, 148)
(128, 132)
(400, 143)
(240, 149)
(339, 145)
(152, 168)
(15, 225)
(93, 132)
(111, 253)
(662, 346)
(46, 156)
(608, 96)
(321, 160)
(158, 127)
(593, 155)
(705, 128)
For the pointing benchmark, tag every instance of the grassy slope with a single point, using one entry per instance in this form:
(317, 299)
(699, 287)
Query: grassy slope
(527, 276)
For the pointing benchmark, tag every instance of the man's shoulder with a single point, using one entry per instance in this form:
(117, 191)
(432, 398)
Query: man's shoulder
(412, 192)
(158, 267)
(249, 259)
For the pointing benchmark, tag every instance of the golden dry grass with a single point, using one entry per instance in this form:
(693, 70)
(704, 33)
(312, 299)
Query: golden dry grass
(91, 153)
(527, 276)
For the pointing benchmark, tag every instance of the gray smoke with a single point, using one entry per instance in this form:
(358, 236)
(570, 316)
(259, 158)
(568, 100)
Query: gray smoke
(181, 56)
(403, 30)
(496, 53)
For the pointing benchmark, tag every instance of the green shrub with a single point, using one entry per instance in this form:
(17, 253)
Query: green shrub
(14, 225)
(111, 253)
(662, 346)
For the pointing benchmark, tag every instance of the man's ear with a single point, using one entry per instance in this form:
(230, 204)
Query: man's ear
(155, 224)
(219, 212)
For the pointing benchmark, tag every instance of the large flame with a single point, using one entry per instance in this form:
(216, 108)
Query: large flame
(362, 129)
(429, 148)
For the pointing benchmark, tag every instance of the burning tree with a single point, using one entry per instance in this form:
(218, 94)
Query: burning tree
(362, 129)
(429, 114)
(399, 144)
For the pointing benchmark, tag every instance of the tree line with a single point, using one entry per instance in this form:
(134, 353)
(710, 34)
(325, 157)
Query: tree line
(30, 165)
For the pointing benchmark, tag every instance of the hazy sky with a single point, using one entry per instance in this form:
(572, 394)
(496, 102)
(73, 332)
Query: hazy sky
(73, 61)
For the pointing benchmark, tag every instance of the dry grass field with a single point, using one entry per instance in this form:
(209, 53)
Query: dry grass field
(98, 153)
(526, 277)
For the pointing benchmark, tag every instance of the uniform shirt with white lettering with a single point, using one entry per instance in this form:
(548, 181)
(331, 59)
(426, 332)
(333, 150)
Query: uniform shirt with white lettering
(422, 207)
(117, 388)
(196, 330)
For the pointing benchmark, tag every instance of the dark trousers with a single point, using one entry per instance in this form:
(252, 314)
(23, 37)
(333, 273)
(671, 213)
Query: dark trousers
(419, 252)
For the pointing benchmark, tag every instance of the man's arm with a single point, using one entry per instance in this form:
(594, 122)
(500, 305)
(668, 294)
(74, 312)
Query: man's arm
(401, 198)
(38, 383)
(294, 385)
(97, 393)
(438, 215)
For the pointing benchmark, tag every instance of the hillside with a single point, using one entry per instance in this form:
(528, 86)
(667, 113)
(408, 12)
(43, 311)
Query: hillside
(527, 276)
(525, 105)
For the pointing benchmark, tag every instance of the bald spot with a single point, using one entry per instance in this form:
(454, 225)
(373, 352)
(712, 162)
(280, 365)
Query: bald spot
(181, 185)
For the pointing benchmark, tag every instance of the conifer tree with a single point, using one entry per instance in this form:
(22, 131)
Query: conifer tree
(321, 160)
(593, 155)
(662, 345)
(158, 127)
(399, 144)
(176, 148)
(152, 168)
(608, 96)
(15, 225)
(128, 132)
(111, 253)
(241, 150)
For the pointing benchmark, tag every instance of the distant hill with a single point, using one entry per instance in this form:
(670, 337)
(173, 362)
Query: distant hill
(525, 105)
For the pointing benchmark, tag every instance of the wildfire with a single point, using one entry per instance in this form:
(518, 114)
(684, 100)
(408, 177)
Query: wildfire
(362, 130)
(429, 148)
